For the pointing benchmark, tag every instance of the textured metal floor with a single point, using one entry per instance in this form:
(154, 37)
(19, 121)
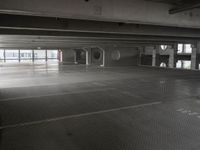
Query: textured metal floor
(51, 107)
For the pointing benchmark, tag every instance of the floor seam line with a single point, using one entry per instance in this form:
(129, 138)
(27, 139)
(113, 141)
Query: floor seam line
(78, 115)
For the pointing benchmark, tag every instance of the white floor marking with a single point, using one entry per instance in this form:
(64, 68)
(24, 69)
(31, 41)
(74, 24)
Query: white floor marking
(78, 115)
(56, 94)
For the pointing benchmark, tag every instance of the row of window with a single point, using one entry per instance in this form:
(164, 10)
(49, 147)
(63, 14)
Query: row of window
(182, 48)
(28, 54)
(181, 64)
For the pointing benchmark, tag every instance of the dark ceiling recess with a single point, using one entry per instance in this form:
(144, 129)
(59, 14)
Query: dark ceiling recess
(180, 5)
(186, 5)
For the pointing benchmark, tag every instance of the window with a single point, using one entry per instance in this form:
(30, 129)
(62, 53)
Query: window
(184, 48)
(12, 54)
(179, 64)
(52, 54)
(180, 48)
(163, 65)
(187, 64)
(25, 54)
(184, 64)
(188, 48)
(163, 47)
(40, 54)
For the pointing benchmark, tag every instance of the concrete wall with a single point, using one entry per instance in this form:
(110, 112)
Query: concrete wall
(114, 56)
(161, 56)
(80, 56)
(68, 55)
(122, 56)
(74, 56)
(137, 11)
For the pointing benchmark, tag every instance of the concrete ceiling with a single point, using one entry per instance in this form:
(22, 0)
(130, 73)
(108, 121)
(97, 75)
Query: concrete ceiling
(77, 23)
(19, 31)
(127, 11)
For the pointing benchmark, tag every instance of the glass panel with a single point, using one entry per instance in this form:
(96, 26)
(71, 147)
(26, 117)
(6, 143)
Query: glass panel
(188, 48)
(180, 48)
(39, 54)
(26, 54)
(12, 54)
(163, 65)
(52, 54)
(179, 64)
(187, 64)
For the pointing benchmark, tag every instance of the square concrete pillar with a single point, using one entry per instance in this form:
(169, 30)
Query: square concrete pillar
(104, 59)
(155, 55)
(197, 55)
(88, 56)
(75, 57)
(172, 56)
(194, 57)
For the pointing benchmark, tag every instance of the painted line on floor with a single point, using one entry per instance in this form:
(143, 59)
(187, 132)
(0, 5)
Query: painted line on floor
(77, 115)
(56, 94)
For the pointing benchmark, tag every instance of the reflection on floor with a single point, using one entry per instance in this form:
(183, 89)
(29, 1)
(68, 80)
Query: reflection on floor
(74, 107)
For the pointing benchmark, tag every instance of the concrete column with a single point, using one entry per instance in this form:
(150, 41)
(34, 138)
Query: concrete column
(104, 58)
(154, 58)
(155, 55)
(75, 57)
(172, 57)
(33, 56)
(88, 56)
(19, 55)
(141, 52)
(46, 56)
(194, 58)
(197, 55)
(4, 54)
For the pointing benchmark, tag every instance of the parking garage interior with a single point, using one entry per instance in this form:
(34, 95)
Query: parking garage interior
(100, 75)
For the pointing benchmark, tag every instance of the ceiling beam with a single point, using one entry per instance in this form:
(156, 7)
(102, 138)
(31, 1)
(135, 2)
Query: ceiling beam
(50, 25)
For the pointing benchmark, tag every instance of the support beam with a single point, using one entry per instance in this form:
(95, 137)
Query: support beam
(50, 26)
